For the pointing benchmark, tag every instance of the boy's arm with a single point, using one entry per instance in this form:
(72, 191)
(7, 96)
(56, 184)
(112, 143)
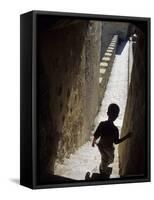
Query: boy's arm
(94, 142)
(97, 134)
(117, 141)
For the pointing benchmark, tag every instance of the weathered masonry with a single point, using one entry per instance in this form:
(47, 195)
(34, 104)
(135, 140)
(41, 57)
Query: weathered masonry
(69, 60)
(132, 153)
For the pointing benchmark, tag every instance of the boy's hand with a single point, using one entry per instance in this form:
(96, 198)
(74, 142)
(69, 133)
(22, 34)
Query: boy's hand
(93, 144)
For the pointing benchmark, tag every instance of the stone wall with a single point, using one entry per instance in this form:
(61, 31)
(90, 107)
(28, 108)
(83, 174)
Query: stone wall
(91, 92)
(68, 57)
(132, 151)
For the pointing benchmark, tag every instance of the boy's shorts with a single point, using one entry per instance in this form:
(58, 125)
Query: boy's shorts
(107, 156)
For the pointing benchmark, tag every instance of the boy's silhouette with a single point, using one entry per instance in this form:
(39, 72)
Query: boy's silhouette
(109, 135)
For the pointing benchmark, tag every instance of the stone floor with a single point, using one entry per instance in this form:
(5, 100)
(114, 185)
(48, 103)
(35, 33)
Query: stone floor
(87, 158)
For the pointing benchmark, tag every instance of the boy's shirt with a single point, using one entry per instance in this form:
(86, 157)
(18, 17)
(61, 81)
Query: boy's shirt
(108, 134)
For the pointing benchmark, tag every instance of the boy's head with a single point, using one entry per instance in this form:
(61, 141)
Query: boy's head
(113, 111)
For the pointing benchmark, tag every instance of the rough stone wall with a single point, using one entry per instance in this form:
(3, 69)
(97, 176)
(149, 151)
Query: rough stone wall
(91, 54)
(112, 28)
(132, 151)
(69, 58)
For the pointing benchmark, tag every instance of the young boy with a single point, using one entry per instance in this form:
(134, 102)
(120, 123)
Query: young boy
(109, 135)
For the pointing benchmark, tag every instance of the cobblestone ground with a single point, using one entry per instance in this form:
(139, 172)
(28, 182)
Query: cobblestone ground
(87, 158)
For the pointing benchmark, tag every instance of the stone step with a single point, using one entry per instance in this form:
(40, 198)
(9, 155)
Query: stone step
(112, 45)
(106, 59)
(104, 64)
(100, 80)
(108, 54)
(110, 48)
(102, 71)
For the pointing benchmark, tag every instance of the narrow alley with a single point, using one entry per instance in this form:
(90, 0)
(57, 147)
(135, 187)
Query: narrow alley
(87, 158)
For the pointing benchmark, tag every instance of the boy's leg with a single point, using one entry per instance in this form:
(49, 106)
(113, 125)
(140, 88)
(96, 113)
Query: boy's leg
(104, 162)
(107, 157)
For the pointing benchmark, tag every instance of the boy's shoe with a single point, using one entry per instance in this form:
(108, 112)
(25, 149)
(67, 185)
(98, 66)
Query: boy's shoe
(105, 173)
(87, 176)
(100, 169)
(109, 170)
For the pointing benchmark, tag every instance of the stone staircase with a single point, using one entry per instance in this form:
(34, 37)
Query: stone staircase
(106, 65)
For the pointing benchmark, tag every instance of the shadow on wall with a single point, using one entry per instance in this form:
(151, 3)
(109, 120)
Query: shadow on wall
(120, 46)
(52, 90)
(132, 153)
(47, 142)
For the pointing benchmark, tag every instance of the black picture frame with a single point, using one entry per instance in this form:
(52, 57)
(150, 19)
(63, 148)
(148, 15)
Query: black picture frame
(29, 98)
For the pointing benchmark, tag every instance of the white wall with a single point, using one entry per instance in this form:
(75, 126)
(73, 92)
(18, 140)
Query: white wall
(9, 98)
